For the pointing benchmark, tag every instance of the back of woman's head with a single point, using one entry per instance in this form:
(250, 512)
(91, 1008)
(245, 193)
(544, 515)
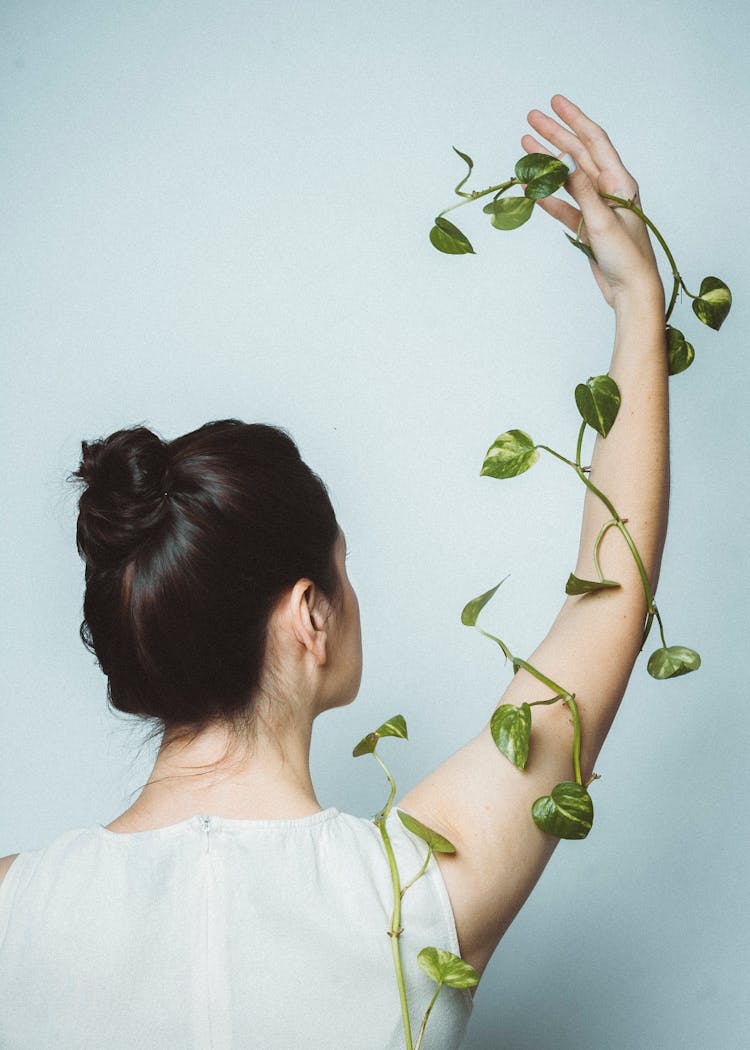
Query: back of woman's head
(188, 544)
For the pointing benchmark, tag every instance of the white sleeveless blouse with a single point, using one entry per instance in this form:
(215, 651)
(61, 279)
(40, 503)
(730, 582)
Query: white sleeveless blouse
(221, 934)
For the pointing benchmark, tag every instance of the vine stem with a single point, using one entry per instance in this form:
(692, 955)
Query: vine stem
(391, 781)
(661, 627)
(617, 521)
(557, 455)
(419, 874)
(545, 703)
(673, 299)
(602, 532)
(426, 1017)
(501, 186)
(395, 931)
(677, 279)
(570, 701)
(620, 523)
(579, 444)
(647, 627)
(560, 694)
(518, 662)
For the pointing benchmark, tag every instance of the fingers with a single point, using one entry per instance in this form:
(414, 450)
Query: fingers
(562, 211)
(565, 141)
(594, 137)
(579, 184)
(597, 215)
(616, 178)
(532, 145)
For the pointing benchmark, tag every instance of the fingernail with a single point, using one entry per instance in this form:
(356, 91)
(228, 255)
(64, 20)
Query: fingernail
(569, 162)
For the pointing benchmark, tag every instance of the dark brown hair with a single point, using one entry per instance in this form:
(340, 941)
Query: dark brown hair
(188, 544)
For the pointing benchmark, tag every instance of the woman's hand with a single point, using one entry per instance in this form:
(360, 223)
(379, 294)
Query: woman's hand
(625, 269)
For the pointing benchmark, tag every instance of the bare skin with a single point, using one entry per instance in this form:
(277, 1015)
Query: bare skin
(476, 798)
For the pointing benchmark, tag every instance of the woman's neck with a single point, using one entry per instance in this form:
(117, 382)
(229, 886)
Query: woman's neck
(268, 779)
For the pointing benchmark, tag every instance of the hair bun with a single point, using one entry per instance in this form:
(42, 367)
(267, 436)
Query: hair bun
(126, 475)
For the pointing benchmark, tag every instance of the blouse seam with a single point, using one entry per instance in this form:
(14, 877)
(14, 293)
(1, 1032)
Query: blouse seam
(228, 824)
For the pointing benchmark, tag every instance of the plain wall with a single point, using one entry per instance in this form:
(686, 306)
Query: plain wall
(221, 209)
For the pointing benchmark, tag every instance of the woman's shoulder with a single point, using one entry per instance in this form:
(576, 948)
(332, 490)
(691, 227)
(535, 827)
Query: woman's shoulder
(55, 851)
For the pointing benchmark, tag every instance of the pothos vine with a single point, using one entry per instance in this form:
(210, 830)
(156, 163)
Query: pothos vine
(567, 812)
(443, 967)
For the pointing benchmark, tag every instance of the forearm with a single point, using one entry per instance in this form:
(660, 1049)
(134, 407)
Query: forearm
(631, 465)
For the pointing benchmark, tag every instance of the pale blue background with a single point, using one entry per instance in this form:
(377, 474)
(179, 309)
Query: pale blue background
(221, 209)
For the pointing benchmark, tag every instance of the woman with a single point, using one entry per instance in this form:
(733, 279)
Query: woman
(225, 908)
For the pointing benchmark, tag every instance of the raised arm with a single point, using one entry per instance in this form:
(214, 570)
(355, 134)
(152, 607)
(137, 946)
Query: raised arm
(477, 798)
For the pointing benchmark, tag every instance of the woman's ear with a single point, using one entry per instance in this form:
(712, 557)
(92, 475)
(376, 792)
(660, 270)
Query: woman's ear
(308, 612)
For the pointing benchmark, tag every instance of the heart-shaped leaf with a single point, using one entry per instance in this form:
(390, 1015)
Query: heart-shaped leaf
(473, 608)
(511, 730)
(712, 303)
(672, 662)
(448, 238)
(680, 352)
(512, 453)
(508, 213)
(446, 968)
(587, 250)
(567, 813)
(541, 173)
(436, 842)
(575, 585)
(366, 746)
(598, 401)
(395, 726)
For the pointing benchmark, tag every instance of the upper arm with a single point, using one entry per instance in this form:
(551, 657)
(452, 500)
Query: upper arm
(482, 802)
(5, 863)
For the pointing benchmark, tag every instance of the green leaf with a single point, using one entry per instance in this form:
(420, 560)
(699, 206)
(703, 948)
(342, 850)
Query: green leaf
(512, 453)
(366, 746)
(587, 250)
(508, 213)
(470, 162)
(446, 968)
(598, 402)
(511, 729)
(680, 352)
(567, 813)
(395, 726)
(464, 156)
(436, 842)
(712, 303)
(448, 238)
(541, 173)
(672, 662)
(473, 608)
(577, 586)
